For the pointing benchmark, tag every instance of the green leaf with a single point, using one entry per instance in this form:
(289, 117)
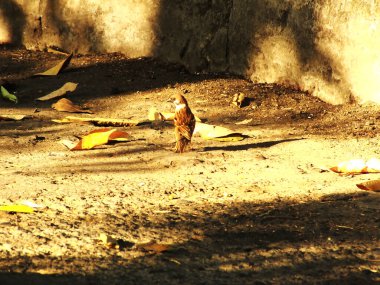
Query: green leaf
(6, 95)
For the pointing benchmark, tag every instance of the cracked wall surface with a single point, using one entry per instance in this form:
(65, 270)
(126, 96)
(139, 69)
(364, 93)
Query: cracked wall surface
(326, 47)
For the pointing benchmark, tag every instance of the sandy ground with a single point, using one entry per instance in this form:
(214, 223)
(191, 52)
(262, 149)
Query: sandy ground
(259, 211)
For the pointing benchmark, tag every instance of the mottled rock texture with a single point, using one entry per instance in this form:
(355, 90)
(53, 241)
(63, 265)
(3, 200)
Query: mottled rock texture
(327, 47)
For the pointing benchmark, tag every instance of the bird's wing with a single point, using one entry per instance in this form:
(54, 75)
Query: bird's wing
(185, 122)
(185, 131)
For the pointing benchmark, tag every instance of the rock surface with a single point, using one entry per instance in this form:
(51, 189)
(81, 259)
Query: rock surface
(328, 48)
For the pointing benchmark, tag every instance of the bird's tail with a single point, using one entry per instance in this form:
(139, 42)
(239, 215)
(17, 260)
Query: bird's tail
(181, 145)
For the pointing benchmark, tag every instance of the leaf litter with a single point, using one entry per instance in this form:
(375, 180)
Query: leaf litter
(96, 138)
(67, 87)
(163, 247)
(8, 96)
(65, 105)
(55, 70)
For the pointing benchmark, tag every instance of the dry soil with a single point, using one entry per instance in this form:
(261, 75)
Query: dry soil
(263, 210)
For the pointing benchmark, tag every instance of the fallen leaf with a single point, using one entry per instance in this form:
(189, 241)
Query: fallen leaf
(100, 137)
(373, 165)
(168, 116)
(153, 246)
(175, 261)
(154, 115)
(105, 122)
(69, 143)
(55, 51)
(238, 99)
(6, 95)
(57, 68)
(93, 139)
(357, 166)
(13, 117)
(373, 185)
(17, 208)
(67, 87)
(119, 136)
(31, 204)
(244, 122)
(112, 242)
(212, 132)
(65, 105)
(108, 240)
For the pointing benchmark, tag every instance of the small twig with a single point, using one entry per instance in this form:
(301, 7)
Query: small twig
(344, 227)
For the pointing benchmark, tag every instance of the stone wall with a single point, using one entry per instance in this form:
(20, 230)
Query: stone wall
(327, 47)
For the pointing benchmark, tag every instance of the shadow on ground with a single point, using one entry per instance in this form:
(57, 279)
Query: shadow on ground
(332, 241)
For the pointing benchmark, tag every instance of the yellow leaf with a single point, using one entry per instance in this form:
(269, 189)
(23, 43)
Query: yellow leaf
(95, 138)
(17, 208)
(358, 166)
(373, 165)
(57, 68)
(13, 117)
(212, 132)
(67, 87)
(100, 137)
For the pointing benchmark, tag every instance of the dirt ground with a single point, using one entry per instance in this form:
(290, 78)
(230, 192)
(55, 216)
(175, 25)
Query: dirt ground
(258, 211)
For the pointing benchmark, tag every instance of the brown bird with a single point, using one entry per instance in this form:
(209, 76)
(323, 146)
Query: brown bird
(184, 123)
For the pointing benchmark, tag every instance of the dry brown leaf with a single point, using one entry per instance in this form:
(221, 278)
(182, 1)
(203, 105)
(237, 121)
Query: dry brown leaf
(244, 122)
(13, 117)
(105, 122)
(153, 246)
(65, 105)
(373, 185)
(57, 68)
(67, 87)
(119, 136)
(56, 51)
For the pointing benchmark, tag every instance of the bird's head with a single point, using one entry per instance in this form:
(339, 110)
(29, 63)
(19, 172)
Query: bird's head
(178, 99)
